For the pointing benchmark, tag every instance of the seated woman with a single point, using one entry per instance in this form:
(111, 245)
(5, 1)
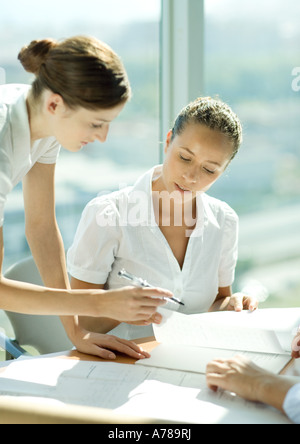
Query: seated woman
(166, 229)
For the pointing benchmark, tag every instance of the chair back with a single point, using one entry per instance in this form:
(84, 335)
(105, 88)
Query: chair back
(45, 333)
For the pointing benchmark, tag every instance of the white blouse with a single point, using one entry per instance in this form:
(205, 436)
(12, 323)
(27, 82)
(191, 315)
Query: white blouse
(119, 231)
(17, 156)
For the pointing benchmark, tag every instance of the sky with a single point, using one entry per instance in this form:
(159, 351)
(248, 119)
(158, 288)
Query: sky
(124, 11)
(118, 11)
(261, 9)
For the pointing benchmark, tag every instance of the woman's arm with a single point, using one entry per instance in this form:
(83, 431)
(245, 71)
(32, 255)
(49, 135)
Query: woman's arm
(26, 298)
(46, 245)
(97, 325)
(131, 303)
(43, 234)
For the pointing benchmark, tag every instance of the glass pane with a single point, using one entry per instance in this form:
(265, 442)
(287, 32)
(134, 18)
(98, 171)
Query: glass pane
(252, 55)
(131, 28)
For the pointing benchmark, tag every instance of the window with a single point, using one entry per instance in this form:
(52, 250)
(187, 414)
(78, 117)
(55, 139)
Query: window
(131, 28)
(252, 62)
(250, 54)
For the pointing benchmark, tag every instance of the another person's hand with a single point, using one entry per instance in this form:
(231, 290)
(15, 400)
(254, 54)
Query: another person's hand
(238, 375)
(241, 376)
(240, 301)
(296, 346)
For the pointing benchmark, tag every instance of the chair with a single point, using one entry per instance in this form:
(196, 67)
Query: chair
(45, 333)
(13, 350)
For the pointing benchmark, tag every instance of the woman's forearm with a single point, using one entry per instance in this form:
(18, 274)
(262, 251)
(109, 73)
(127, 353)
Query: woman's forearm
(27, 298)
(98, 325)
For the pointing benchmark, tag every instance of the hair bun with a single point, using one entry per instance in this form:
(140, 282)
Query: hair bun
(35, 54)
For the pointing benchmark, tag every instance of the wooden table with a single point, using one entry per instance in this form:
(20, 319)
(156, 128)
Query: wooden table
(147, 344)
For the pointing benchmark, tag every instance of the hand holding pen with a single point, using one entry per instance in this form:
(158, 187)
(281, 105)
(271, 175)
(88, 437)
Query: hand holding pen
(143, 283)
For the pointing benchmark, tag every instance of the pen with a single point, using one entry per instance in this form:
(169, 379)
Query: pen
(143, 283)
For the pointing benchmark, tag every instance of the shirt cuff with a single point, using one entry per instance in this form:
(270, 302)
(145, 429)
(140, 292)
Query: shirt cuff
(291, 404)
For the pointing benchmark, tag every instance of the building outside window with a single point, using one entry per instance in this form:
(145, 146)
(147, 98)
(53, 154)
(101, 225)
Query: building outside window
(252, 62)
(131, 28)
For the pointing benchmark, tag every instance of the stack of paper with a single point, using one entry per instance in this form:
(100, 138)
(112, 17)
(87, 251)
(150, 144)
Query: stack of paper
(189, 342)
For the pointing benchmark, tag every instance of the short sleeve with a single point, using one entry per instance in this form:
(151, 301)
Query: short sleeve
(96, 244)
(229, 249)
(51, 155)
(5, 172)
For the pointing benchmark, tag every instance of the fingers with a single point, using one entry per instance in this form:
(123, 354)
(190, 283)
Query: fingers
(240, 302)
(296, 347)
(215, 372)
(132, 304)
(154, 319)
(252, 303)
(128, 348)
(145, 303)
(220, 372)
(155, 296)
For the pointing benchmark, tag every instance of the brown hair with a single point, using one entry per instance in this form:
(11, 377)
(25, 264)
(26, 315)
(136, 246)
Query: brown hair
(82, 70)
(215, 115)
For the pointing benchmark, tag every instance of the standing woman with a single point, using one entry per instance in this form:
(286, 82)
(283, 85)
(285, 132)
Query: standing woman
(80, 87)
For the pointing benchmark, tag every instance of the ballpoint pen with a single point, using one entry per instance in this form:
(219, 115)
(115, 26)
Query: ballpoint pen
(143, 283)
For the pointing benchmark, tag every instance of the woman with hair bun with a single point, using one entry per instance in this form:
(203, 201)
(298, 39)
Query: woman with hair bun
(80, 87)
(181, 237)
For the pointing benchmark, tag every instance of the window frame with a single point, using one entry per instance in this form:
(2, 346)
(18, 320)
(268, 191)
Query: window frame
(181, 58)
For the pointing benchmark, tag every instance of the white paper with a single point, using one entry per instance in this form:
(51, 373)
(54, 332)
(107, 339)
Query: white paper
(190, 342)
(131, 390)
(266, 330)
(195, 359)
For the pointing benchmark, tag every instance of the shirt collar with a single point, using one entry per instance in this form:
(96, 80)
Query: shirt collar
(205, 215)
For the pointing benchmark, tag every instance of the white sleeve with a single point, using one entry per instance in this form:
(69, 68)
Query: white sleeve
(95, 246)
(5, 174)
(291, 404)
(229, 252)
(51, 155)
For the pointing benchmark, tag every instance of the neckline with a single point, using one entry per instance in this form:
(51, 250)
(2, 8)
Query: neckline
(156, 227)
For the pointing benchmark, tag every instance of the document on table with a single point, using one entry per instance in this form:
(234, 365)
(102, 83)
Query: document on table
(189, 342)
(164, 394)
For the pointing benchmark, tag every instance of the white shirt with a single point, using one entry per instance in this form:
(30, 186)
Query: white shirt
(119, 231)
(291, 404)
(17, 156)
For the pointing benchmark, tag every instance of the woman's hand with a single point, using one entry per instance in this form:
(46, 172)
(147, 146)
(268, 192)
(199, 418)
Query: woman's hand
(226, 301)
(155, 319)
(130, 304)
(104, 345)
(240, 301)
